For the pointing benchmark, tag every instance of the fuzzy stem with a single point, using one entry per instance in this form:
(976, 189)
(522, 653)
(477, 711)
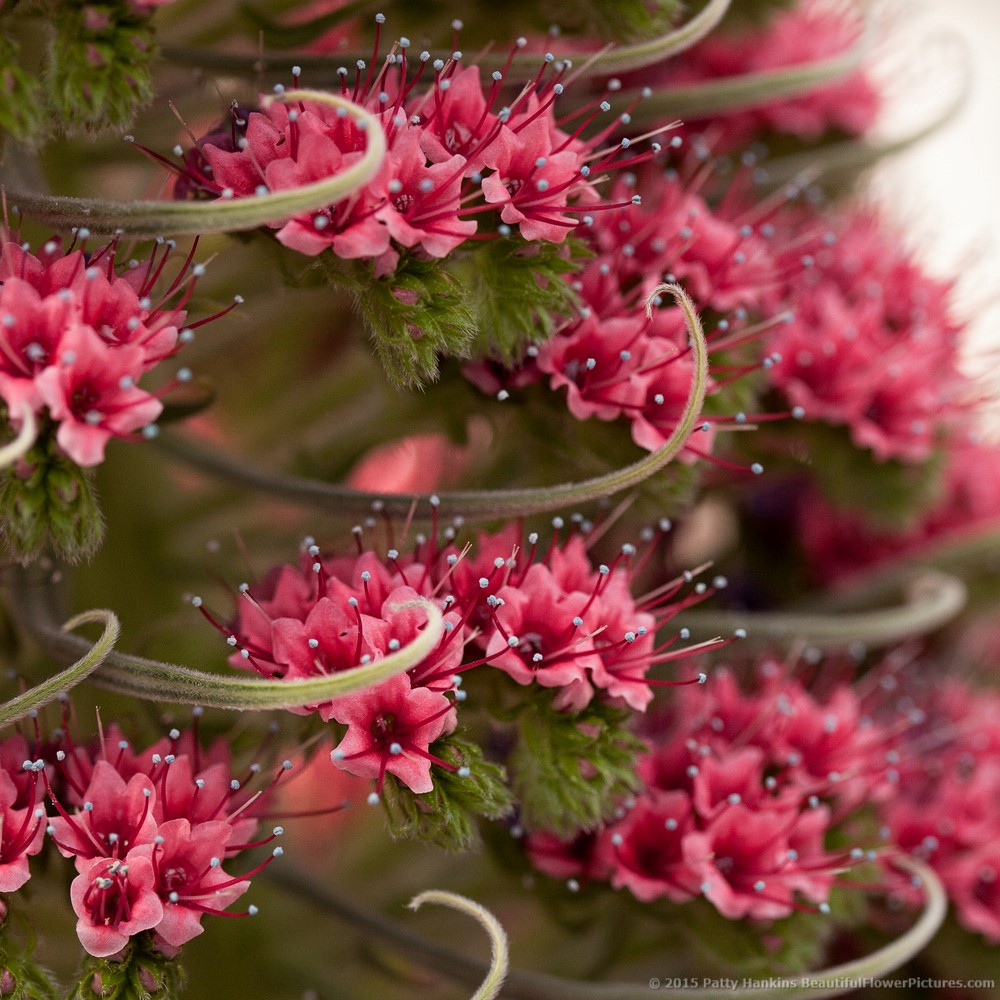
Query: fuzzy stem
(323, 70)
(499, 954)
(154, 680)
(471, 504)
(53, 687)
(624, 58)
(179, 218)
(932, 600)
(834, 981)
(848, 158)
(734, 93)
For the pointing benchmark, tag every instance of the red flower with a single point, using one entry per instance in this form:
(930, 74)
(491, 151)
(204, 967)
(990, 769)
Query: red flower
(117, 815)
(114, 899)
(22, 834)
(647, 849)
(189, 879)
(390, 730)
(76, 338)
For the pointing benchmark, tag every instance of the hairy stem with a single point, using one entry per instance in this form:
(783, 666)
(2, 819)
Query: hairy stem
(23, 442)
(499, 956)
(322, 69)
(470, 504)
(830, 982)
(733, 93)
(53, 687)
(931, 600)
(154, 680)
(179, 218)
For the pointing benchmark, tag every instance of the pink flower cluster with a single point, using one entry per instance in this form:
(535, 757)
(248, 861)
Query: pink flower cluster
(454, 154)
(149, 833)
(613, 361)
(76, 337)
(873, 343)
(741, 790)
(550, 619)
(947, 809)
(807, 33)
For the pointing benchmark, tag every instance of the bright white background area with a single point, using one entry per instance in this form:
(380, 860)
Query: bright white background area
(946, 190)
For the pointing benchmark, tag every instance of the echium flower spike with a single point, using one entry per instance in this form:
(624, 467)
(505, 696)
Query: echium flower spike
(76, 338)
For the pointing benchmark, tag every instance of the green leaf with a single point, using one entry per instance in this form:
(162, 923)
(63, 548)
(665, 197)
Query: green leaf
(447, 814)
(49, 501)
(519, 291)
(100, 71)
(21, 98)
(571, 770)
(622, 21)
(301, 33)
(414, 315)
(889, 495)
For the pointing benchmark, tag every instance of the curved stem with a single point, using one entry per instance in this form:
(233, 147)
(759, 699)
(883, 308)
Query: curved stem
(499, 956)
(852, 156)
(833, 981)
(155, 680)
(53, 687)
(956, 552)
(628, 57)
(179, 218)
(24, 441)
(932, 600)
(733, 93)
(471, 503)
(322, 69)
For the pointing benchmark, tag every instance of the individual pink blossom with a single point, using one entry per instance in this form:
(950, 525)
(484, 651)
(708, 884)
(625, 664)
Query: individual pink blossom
(116, 816)
(543, 635)
(750, 865)
(22, 834)
(536, 178)
(189, 879)
(648, 849)
(390, 730)
(90, 390)
(114, 899)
